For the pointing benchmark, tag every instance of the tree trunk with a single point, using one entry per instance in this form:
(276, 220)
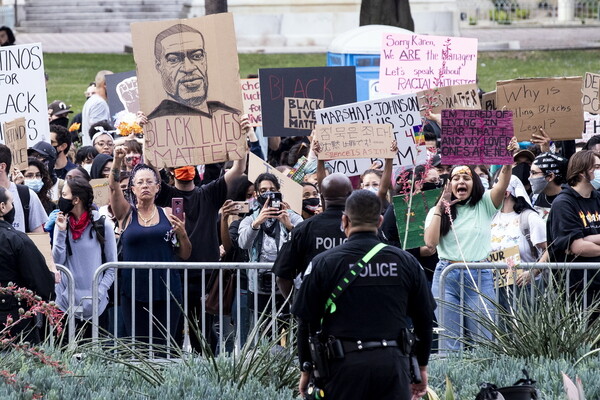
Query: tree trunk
(215, 6)
(387, 12)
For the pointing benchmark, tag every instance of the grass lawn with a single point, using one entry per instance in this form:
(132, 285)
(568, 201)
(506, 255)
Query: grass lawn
(70, 74)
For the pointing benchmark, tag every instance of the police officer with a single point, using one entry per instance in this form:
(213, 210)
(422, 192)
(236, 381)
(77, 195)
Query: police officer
(314, 235)
(369, 317)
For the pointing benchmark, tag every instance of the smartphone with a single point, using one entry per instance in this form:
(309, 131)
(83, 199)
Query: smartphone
(242, 207)
(177, 207)
(276, 200)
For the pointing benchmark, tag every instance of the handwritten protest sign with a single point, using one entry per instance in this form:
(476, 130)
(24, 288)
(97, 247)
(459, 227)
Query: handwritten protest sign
(251, 98)
(331, 85)
(411, 62)
(402, 112)
(512, 258)
(591, 126)
(291, 191)
(101, 191)
(343, 141)
(42, 242)
(122, 92)
(591, 93)
(488, 101)
(23, 90)
(476, 137)
(15, 138)
(450, 97)
(420, 205)
(552, 104)
(194, 117)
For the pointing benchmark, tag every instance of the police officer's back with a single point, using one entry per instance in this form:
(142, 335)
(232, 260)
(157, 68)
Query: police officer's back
(371, 315)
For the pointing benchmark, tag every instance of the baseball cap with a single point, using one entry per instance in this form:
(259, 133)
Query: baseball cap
(43, 148)
(550, 162)
(526, 153)
(57, 108)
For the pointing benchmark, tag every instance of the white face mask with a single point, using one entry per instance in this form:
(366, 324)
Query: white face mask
(373, 189)
(88, 168)
(34, 184)
(596, 181)
(485, 182)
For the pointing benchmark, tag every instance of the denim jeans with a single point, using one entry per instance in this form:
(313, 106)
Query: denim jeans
(456, 317)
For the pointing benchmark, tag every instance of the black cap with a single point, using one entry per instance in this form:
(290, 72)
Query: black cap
(43, 148)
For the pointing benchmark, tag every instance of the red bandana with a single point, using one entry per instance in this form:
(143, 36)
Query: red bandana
(78, 226)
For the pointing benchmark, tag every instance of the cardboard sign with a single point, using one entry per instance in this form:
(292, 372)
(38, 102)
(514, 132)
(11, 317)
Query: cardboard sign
(23, 90)
(512, 258)
(331, 85)
(188, 82)
(402, 112)
(101, 191)
(251, 98)
(552, 104)
(420, 205)
(122, 92)
(411, 62)
(42, 242)
(15, 138)
(591, 126)
(343, 141)
(591, 93)
(476, 137)
(488, 101)
(291, 191)
(465, 97)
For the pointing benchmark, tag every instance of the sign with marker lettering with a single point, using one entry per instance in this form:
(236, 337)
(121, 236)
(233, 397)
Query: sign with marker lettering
(23, 90)
(591, 126)
(476, 137)
(551, 104)
(291, 190)
(251, 98)
(420, 205)
(401, 112)
(411, 62)
(488, 101)
(512, 258)
(122, 92)
(188, 82)
(290, 96)
(591, 93)
(15, 138)
(464, 97)
(341, 141)
(101, 191)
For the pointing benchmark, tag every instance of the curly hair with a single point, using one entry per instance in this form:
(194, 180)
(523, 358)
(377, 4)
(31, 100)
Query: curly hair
(46, 180)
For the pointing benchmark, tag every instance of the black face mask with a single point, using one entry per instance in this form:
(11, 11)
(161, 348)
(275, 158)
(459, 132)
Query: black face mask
(429, 186)
(10, 216)
(310, 205)
(444, 178)
(65, 205)
(262, 198)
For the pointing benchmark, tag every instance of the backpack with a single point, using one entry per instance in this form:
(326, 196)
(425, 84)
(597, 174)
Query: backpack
(24, 196)
(526, 231)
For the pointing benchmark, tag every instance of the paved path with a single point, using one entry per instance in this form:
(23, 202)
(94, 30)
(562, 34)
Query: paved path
(524, 38)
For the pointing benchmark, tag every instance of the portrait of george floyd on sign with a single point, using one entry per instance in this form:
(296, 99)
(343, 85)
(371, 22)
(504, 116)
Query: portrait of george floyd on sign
(411, 63)
(23, 90)
(290, 96)
(552, 104)
(122, 92)
(189, 88)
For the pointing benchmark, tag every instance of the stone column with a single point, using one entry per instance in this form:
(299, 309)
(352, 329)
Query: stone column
(193, 8)
(566, 10)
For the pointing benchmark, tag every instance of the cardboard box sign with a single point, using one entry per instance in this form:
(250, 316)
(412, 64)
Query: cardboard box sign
(23, 90)
(15, 138)
(411, 62)
(488, 101)
(188, 82)
(552, 104)
(101, 190)
(290, 96)
(342, 141)
(450, 97)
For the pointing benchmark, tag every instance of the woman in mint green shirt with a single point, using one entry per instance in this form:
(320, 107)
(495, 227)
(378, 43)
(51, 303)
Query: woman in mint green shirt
(459, 226)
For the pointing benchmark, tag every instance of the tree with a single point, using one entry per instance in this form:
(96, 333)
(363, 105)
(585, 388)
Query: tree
(215, 6)
(386, 12)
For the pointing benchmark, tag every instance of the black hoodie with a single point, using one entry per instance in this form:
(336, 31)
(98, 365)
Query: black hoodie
(98, 164)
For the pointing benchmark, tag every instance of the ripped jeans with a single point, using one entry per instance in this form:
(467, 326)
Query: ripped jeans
(456, 316)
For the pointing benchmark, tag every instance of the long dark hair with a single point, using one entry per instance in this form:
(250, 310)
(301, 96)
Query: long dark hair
(46, 180)
(476, 194)
(83, 190)
(521, 204)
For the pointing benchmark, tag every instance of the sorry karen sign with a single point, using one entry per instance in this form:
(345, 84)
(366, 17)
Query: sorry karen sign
(290, 96)
(188, 82)
(411, 62)
(476, 137)
(23, 90)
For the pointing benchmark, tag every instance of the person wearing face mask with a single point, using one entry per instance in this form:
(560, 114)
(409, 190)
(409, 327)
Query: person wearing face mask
(22, 264)
(459, 226)
(36, 177)
(314, 235)
(60, 139)
(574, 221)
(547, 176)
(85, 157)
(484, 174)
(311, 203)
(377, 181)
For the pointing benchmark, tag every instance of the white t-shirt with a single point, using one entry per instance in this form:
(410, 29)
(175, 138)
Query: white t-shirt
(37, 214)
(506, 233)
(94, 110)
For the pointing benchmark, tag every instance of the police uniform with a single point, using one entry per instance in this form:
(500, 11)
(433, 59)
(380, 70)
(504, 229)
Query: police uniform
(311, 237)
(375, 308)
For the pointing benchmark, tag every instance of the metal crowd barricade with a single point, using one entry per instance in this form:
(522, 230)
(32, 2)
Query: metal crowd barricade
(466, 281)
(185, 267)
(71, 298)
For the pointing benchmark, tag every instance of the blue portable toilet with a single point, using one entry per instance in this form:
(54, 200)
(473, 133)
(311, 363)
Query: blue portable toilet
(361, 47)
